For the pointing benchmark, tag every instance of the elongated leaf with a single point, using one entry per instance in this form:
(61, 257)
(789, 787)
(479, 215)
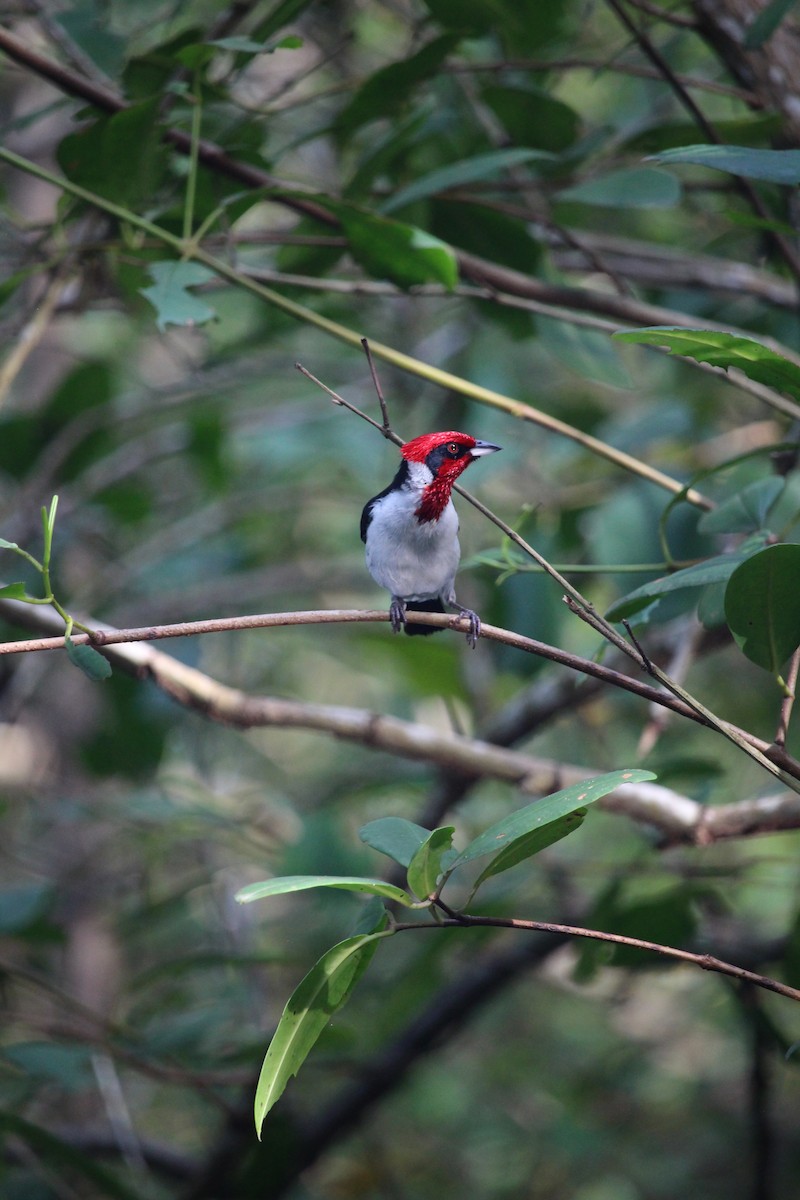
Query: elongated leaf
(88, 660)
(426, 865)
(469, 170)
(324, 990)
(395, 251)
(546, 812)
(170, 297)
(746, 511)
(775, 166)
(530, 844)
(637, 187)
(762, 606)
(723, 350)
(4, 545)
(395, 837)
(301, 883)
(714, 570)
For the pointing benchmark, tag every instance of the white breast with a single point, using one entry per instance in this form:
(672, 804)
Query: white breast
(412, 560)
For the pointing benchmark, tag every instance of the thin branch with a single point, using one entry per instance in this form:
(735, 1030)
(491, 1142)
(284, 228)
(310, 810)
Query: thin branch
(706, 961)
(637, 70)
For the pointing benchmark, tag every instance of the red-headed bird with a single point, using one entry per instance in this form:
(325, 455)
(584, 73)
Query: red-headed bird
(411, 530)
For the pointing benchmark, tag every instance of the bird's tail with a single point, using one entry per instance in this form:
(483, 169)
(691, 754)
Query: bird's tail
(411, 627)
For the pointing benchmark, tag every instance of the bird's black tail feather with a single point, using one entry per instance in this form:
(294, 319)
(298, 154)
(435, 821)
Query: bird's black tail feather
(415, 630)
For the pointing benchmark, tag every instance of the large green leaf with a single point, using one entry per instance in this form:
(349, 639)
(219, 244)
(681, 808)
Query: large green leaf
(723, 350)
(775, 166)
(425, 867)
(713, 570)
(762, 606)
(634, 187)
(539, 816)
(322, 993)
(300, 883)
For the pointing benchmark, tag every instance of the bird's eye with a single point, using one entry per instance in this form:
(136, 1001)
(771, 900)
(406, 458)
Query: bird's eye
(453, 448)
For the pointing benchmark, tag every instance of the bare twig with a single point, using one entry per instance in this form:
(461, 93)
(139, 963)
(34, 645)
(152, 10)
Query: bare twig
(706, 961)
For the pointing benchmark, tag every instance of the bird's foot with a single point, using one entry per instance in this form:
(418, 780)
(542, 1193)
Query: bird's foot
(474, 623)
(397, 614)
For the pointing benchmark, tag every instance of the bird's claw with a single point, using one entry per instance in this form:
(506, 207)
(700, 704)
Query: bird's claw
(474, 625)
(397, 614)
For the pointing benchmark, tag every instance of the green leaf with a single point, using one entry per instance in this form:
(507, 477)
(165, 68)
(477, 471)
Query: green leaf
(391, 250)
(766, 22)
(530, 844)
(754, 129)
(483, 231)
(532, 117)
(88, 660)
(774, 166)
(762, 606)
(4, 545)
(713, 570)
(14, 591)
(635, 187)
(322, 993)
(468, 170)
(425, 867)
(746, 511)
(299, 883)
(544, 813)
(723, 350)
(121, 157)
(386, 91)
(395, 837)
(175, 305)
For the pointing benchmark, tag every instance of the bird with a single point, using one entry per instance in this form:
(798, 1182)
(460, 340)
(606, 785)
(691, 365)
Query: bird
(410, 530)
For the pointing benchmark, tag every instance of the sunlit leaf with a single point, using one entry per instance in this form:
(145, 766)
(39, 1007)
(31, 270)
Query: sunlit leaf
(723, 350)
(14, 591)
(322, 993)
(300, 883)
(762, 606)
(544, 813)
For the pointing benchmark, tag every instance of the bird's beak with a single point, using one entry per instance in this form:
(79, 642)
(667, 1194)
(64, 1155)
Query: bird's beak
(483, 448)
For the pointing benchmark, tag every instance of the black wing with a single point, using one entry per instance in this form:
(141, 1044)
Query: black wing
(397, 482)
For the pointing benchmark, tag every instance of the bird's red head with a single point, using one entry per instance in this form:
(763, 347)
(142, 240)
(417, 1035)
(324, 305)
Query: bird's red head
(446, 455)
